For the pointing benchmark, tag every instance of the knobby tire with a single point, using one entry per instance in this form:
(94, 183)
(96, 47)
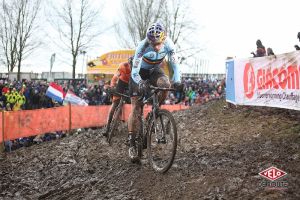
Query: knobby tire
(150, 135)
(114, 123)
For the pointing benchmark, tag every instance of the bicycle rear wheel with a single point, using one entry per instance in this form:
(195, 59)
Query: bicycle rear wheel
(162, 141)
(115, 122)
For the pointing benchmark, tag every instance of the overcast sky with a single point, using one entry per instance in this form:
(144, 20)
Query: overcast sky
(233, 26)
(228, 28)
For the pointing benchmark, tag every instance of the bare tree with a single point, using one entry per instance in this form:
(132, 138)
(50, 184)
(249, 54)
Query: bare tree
(76, 25)
(27, 26)
(138, 15)
(181, 28)
(8, 36)
(174, 14)
(174, 19)
(16, 31)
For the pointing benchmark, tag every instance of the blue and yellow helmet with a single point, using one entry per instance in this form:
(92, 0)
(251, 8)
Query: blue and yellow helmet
(156, 33)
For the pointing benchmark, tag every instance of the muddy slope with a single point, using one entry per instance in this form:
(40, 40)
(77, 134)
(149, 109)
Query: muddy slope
(221, 151)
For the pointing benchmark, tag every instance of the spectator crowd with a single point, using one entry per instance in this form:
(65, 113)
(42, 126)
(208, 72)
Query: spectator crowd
(29, 95)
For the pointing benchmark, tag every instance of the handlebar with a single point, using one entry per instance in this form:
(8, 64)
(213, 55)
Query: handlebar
(154, 90)
(161, 89)
(113, 92)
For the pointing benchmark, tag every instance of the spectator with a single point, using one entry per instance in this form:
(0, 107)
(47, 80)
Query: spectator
(8, 107)
(296, 46)
(5, 88)
(270, 52)
(20, 101)
(3, 99)
(260, 50)
(179, 94)
(192, 95)
(35, 99)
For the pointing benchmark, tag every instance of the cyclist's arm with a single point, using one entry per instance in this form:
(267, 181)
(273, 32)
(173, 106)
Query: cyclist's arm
(135, 71)
(114, 80)
(173, 61)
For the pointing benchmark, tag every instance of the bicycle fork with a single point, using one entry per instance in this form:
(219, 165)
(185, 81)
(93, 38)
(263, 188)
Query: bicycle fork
(159, 135)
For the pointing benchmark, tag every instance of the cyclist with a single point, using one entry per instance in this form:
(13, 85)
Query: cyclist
(296, 46)
(146, 70)
(260, 51)
(119, 83)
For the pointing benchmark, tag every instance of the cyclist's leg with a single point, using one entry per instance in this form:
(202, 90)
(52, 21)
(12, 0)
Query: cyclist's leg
(134, 117)
(163, 81)
(133, 120)
(121, 87)
(134, 124)
(159, 79)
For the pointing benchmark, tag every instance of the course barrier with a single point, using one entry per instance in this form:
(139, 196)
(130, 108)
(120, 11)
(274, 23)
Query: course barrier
(24, 123)
(272, 81)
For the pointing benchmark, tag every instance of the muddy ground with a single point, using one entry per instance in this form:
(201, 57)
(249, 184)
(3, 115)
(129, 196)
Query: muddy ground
(220, 153)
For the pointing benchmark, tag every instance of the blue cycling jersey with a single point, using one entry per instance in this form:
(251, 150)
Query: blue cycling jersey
(145, 57)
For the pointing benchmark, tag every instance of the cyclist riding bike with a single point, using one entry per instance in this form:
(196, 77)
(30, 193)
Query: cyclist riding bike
(146, 70)
(119, 83)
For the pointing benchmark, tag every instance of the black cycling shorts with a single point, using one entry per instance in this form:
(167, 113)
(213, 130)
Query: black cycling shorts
(151, 75)
(121, 86)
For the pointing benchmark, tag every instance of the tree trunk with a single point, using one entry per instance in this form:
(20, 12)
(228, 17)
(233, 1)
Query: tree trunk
(74, 68)
(19, 71)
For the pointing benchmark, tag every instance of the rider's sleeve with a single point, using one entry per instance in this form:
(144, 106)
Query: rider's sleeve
(173, 61)
(135, 71)
(114, 80)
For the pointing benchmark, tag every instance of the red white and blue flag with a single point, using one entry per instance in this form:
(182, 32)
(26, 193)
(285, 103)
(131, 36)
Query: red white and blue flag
(55, 92)
(73, 99)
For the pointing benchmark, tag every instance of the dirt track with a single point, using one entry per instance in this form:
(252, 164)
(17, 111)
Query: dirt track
(220, 153)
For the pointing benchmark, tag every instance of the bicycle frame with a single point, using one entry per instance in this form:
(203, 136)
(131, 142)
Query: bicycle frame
(122, 99)
(156, 130)
(155, 103)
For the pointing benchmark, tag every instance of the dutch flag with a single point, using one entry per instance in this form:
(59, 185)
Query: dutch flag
(55, 92)
(73, 99)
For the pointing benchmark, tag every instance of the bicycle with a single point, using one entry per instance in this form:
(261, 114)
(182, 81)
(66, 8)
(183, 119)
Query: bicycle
(116, 116)
(159, 127)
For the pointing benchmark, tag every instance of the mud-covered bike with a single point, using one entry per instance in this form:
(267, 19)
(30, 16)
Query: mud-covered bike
(158, 133)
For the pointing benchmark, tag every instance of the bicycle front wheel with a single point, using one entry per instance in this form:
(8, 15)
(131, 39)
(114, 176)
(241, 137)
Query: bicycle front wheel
(162, 141)
(114, 124)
